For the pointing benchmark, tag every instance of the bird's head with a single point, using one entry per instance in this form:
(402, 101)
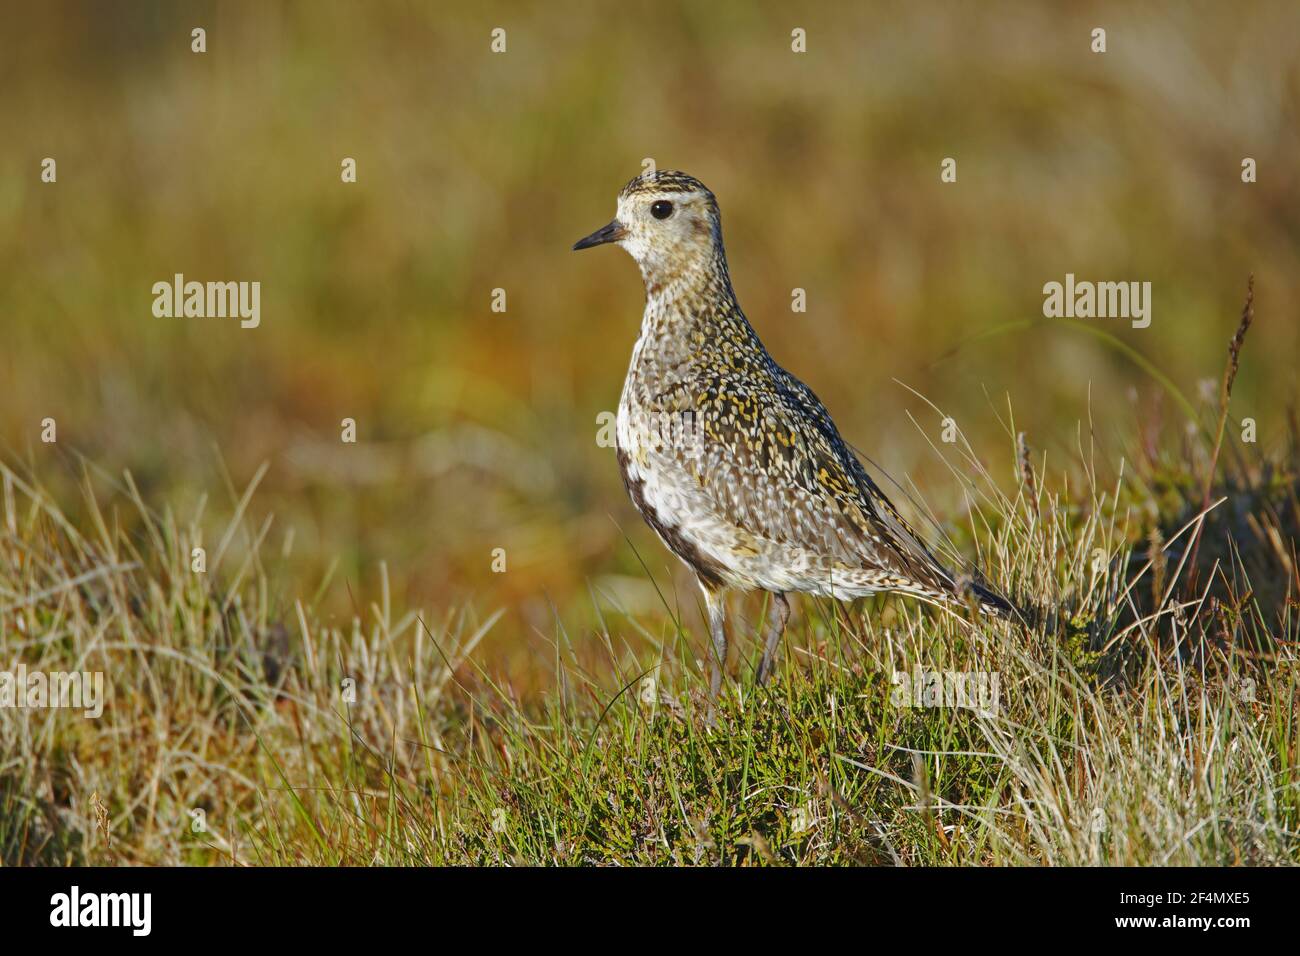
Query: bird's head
(668, 222)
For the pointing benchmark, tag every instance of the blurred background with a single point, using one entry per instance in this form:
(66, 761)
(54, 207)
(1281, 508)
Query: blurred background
(477, 170)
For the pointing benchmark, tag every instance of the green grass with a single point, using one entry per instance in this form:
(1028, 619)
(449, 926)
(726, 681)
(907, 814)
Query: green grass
(1140, 725)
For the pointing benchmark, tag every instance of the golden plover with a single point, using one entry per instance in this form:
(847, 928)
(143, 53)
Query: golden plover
(733, 461)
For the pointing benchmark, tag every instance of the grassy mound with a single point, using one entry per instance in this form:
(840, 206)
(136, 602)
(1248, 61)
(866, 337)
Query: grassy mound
(1150, 723)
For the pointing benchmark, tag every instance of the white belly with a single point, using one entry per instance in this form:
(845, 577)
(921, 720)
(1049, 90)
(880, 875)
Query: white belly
(669, 496)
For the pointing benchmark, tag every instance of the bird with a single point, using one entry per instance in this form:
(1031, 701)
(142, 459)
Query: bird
(732, 460)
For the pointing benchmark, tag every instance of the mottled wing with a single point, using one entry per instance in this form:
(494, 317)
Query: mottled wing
(775, 465)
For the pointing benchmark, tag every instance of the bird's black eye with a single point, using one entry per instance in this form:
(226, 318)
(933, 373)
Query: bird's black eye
(661, 209)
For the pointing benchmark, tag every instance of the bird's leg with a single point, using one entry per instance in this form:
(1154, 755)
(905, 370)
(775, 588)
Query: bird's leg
(778, 613)
(715, 604)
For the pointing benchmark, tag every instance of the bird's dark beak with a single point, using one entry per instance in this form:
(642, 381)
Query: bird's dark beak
(611, 233)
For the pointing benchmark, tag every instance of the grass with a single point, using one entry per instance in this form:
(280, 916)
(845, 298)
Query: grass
(1141, 721)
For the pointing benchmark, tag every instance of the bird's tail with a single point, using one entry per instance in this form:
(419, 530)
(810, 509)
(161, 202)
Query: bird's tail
(1044, 619)
(991, 602)
(967, 592)
(963, 592)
